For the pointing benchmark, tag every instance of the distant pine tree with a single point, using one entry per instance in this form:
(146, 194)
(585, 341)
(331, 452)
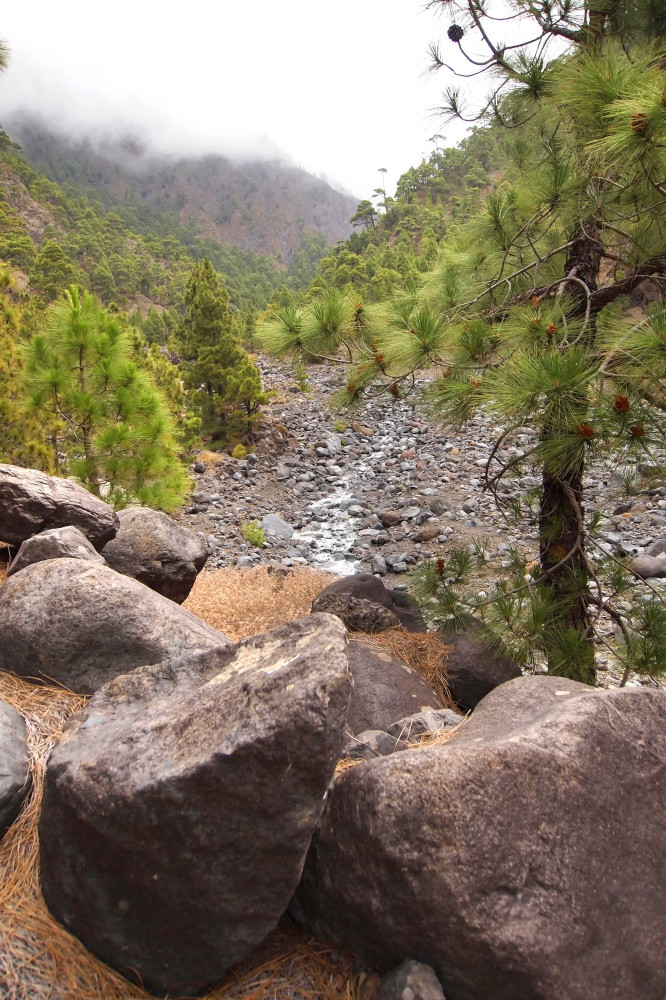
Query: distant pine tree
(222, 381)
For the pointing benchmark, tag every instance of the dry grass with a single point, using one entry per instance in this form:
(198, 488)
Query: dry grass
(421, 742)
(424, 652)
(39, 960)
(4, 560)
(242, 603)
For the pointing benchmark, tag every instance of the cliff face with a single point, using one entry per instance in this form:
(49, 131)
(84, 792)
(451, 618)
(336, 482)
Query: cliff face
(264, 206)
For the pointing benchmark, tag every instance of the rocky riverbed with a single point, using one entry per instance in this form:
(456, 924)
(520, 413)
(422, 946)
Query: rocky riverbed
(384, 489)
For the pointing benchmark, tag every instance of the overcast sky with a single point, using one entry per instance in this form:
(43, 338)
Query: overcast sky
(339, 88)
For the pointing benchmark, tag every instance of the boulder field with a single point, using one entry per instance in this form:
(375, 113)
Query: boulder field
(521, 859)
(514, 854)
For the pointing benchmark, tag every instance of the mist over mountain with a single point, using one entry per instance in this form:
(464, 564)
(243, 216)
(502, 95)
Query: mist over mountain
(263, 205)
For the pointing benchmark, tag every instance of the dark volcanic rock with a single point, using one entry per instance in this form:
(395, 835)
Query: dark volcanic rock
(156, 551)
(474, 667)
(520, 860)
(357, 614)
(31, 501)
(14, 764)
(385, 689)
(74, 623)
(180, 803)
(366, 587)
(56, 543)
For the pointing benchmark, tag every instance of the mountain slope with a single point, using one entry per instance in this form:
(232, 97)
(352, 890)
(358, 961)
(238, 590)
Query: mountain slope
(262, 207)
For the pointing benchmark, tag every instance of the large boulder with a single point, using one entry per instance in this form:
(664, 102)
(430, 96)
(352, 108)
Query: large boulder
(71, 622)
(180, 804)
(521, 859)
(157, 551)
(475, 666)
(55, 543)
(385, 689)
(31, 501)
(367, 588)
(14, 764)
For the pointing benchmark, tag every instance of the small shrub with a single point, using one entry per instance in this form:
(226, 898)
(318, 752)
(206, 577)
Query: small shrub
(240, 451)
(301, 376)
(254, 534)
(340, 426)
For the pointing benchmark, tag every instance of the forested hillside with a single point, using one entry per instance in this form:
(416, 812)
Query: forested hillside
(263, 207)
(397, 236)
(56, 236)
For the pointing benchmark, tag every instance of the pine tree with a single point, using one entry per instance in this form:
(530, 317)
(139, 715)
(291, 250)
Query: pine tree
(52, 272)
(216, 370)
(525, 314)
(22, 436)
(111, 422)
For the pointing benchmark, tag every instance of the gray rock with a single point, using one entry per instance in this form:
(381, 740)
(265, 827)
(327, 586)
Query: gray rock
(378, 565)
(648, 565)
(657, 548)
(426, 721)
(55, 543)
(385, 689)
(14, 764)
(372, 743)
(179, 805)
(31, 501)
(71, 622)
(358, 614)
(157, 551)
(518, 860)
(274, 525)
(411, 981)
(409, 513)
(474, 667)
(367, 587)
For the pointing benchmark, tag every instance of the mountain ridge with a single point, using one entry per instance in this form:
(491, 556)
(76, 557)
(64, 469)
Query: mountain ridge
(265, 206)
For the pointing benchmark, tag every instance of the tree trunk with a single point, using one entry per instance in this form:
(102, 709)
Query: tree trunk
(561, 518)
(570, 636)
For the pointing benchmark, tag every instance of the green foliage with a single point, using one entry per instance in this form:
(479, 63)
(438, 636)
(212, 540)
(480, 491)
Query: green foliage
(254, 534)
(301, 376)
(223, 384)
(400, 238)
(125, 248)
(523, 310)
(365, 215)
(103, 411)
(51, 271)
(22, 435)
